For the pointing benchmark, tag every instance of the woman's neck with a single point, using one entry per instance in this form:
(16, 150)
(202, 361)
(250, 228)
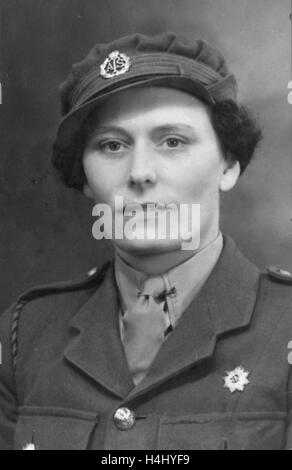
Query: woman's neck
(161, 262)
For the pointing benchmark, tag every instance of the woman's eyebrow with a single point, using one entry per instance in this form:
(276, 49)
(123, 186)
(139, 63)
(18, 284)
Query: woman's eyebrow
(170, 128)
(153, 131)
(110, 129)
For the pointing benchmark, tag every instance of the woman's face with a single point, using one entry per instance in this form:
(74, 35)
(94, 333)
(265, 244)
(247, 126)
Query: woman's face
(157, 145)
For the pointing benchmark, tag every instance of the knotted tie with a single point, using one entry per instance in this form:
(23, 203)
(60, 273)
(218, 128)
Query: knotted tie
(145, 325)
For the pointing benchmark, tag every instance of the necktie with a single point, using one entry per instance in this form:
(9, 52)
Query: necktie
(144, 327)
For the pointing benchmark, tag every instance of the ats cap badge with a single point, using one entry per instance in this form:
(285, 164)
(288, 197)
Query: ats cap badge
(115, 64)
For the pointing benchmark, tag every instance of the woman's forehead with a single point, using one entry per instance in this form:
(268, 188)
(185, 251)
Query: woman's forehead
(155, 103)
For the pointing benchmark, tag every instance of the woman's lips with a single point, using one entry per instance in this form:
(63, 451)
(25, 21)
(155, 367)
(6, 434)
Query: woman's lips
(131, 207)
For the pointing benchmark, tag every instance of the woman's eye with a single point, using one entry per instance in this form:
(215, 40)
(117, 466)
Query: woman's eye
(173, 143)
(112, 146)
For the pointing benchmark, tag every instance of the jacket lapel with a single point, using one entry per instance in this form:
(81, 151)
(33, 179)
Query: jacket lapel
(225, 303)
(98, 350)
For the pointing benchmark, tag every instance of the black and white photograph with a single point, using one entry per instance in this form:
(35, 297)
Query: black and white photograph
(146, 227)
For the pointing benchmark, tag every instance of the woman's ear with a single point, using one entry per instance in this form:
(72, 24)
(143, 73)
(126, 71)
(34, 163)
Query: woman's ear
(229, 176)
(87, 191)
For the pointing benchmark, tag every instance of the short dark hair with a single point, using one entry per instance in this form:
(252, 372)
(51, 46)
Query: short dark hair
(236, 129)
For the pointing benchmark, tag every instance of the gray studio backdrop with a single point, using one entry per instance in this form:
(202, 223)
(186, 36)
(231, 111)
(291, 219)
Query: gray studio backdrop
(45, 232)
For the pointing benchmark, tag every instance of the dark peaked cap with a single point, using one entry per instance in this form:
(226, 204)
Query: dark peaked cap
(163, 60)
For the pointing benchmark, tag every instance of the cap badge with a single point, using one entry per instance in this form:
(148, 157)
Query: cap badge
(236, 380)
(115, 64)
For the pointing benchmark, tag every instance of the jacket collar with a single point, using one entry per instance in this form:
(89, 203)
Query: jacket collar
(196, 270)
(225, 303)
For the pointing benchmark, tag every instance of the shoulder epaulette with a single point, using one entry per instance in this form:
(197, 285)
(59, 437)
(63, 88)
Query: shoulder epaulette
(92, 279)
(280, 275)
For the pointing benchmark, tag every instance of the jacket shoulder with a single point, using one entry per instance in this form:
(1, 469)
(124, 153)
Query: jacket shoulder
(280, 275)
(276, 283)
(92, 279)
(25, 304)
(275, 293)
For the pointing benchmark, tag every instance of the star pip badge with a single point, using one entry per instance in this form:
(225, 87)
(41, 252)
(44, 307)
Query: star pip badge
(236, 380)
(115, 64)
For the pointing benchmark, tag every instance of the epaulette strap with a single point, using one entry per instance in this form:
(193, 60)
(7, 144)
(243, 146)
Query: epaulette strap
(280, 275)
(94, 277)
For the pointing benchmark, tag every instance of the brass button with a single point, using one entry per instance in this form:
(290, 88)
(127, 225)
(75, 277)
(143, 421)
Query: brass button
(92, 272)
(124, 419)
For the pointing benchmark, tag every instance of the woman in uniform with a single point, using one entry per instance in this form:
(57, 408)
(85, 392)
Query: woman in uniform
(162, 347)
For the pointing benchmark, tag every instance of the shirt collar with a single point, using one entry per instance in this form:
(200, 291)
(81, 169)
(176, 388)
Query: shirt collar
(187, 278)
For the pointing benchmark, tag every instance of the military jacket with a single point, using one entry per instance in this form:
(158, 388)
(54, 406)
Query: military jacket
(222, 380)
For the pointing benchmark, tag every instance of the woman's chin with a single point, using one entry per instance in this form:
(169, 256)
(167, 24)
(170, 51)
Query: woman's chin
(147, 247)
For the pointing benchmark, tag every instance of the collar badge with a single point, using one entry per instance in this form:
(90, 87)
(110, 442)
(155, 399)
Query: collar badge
(236, 380)
(115, 64)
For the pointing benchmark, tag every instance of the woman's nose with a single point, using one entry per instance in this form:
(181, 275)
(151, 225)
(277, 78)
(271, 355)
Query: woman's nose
(142, 172)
